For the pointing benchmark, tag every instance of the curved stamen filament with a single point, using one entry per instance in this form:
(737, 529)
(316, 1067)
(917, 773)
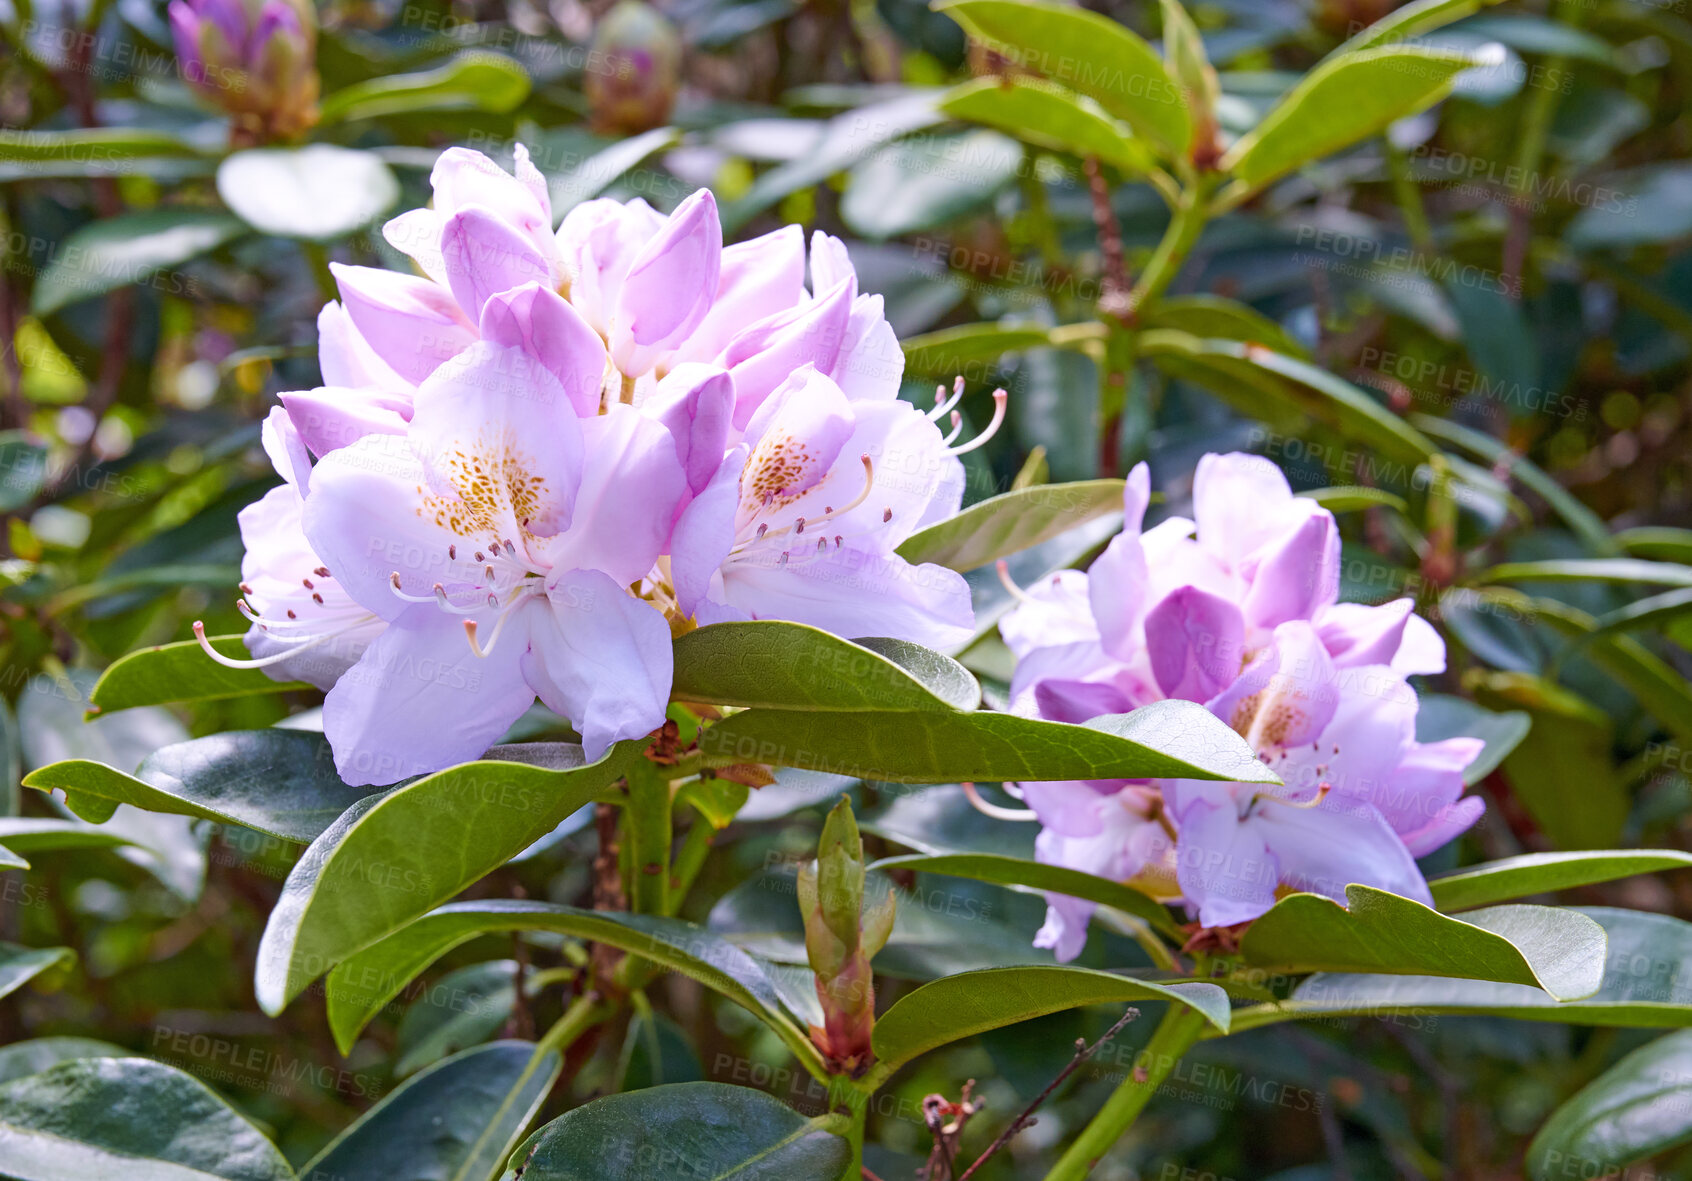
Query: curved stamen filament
(803, 523)
(265, 661)
(993, 810)
(493, 638)
(1322, 791)
(944, 405)
(1000, 397)
(1016, 591)
(957, 429)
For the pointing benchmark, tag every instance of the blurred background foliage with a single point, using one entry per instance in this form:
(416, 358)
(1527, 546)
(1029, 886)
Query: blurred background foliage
(1505, 274)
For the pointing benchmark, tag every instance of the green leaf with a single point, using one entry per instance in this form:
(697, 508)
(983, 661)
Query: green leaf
(1657, 541)
(392, 857)
(359, 988)
(1655, 612)
(922, 183)
(780, 664)
(1035, 875)
(472, 81)
(712, 1130)
(280, 782)
(1226, 319)
(1086, 52)
(1343, 100)
(33, 834)
(23, 462)
(844, 141)
(1440, 716)
(1561, 772)
(1169, 739)
(20, 965)
(949, 351)
(1591, 570)
(955, 1007)
(318, 192)
(1011, 522)
(182, 671)
(1423, 16)
(457, 1121)
(594, 174)
(1051, 117)
(117, 251)
(1542, 873)
(1634, 1110)
(1557, 950)
(1246, 376)
(479, 999)
(1647, 964)
(107, 145)
(22, 1059)
(1355, 498)
(131, 1118)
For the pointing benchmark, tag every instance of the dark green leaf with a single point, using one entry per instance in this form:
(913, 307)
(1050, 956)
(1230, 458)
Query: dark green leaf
(1011, 522)
(20, 965)
(1542, 873)
(922, 183)
(684, 1130)
(1591, 570)
(392, 857)
(460, 1010)
(280, 782)
(1222, 318)
(1557, 950)
(780, 664)
(956, 1007)
(1412, 20)
(180, 672)
(115, 252)
(1179, 739)
(22, 1059)
(953, 350)
(365, 982)
(1035, 875)
(318, 192)
(457, 1121)
(128, 1118)
(1663, 542)
(1635, 1109)
(23, 470)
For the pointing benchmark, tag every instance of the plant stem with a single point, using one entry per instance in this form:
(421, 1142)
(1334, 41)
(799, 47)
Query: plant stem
(696, 846)
(1192, 210)
(857, 1103)
(1174, 1036)
(648, 817)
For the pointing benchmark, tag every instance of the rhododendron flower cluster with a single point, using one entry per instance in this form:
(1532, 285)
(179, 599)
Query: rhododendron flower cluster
(546, 454)
(1237, 608)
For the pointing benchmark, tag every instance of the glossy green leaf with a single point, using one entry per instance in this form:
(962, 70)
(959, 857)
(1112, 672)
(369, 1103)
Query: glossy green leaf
(19, 965)
(472, 81)
(1657, 611)
(1542, 873)
(117, 251)
(281, 782)
(1663, 542)
(359, 988)
(392, 857)
(1087, 52)
(1557, 950)
(789, 665)
(457, 1121)
(1355, 498)
(1591, 570)
(1011, 522)
(22, 1059)
(129, 1118)
(1226, 319)
(38, 834)
(1634, 1110)
(318, 192)
(1036, 875)
(1648, 967)
(1051, 117)
(950, 351)
(1343, 100)
(23, 462)
(182, 671)
(105, 145)
(955, 1007)
(462, 1009)
(1247, 375)
(705, 1130)
(1169, 739)
(925, 182)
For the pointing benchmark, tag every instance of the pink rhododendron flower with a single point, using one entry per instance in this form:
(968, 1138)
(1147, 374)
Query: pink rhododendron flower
(548, 453)
(1238, 609)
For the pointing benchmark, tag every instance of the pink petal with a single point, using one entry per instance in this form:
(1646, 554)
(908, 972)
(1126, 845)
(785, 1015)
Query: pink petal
(1196, 642)
(411, 324)
(485, 256)
(537, 320)
(670, 285)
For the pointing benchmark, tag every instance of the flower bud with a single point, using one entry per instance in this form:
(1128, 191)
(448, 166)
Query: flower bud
(254, 58)
(841, 935)
(634, 69)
